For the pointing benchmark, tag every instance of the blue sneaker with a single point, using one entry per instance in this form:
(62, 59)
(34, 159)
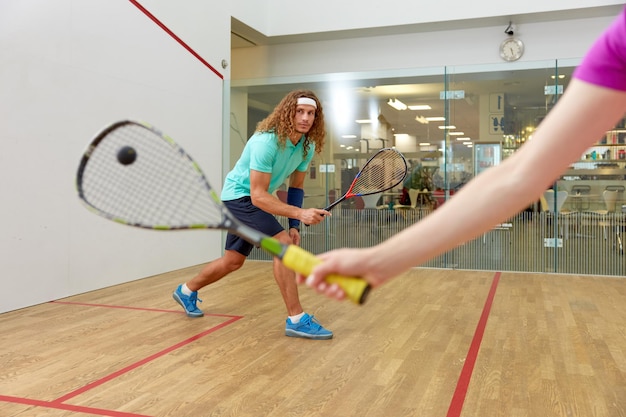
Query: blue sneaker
(308, 328)
(188, 302)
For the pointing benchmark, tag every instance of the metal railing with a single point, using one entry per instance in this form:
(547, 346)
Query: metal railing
(577, 243)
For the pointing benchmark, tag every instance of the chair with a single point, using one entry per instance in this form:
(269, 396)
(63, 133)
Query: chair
(404, 209)
(366, 208)
(359, 204)
(282, 195)
(413, 196)
(552, 203)
(371, 201)
(553, 206)
(610, 197)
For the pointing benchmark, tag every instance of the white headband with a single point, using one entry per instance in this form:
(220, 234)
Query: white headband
(307, 101)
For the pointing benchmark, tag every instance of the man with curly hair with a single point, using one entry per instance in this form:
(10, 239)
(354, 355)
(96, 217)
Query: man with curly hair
(282, 147)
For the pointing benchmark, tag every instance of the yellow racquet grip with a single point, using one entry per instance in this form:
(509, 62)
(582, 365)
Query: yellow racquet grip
(303, 262)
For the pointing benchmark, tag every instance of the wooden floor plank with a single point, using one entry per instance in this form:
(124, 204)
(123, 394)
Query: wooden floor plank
(553, 345)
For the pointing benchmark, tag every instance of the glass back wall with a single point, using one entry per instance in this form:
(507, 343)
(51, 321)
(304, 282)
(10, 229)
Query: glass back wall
(451, 124)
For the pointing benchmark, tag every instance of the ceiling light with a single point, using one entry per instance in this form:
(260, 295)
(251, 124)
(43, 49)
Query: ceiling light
(435, 119)
(456, 133)
(447, 127)
(363, 121)
(397, 104)
(467, 143)
(561, 76)
(349, 136)
(420, 107)
(424, 144)
(465, 138)
(421, 119)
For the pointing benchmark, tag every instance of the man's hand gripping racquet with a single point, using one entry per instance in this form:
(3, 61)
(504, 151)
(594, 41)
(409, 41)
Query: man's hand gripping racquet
(135, 175)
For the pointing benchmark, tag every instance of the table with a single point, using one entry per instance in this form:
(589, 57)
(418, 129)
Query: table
(425, 198)
(391, 196)
(579, 199)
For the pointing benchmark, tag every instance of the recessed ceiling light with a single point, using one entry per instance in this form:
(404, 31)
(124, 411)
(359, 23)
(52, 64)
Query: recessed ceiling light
(420, 107)
(396, 104)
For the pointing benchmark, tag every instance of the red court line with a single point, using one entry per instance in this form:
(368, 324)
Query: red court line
(67, 407)
(456, 405)
(59, 403)
(158, 310)
(150, 358)
(176, 38)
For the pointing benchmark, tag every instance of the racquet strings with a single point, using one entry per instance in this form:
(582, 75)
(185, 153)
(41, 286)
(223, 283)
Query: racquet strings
(383, 171)
(162, 188)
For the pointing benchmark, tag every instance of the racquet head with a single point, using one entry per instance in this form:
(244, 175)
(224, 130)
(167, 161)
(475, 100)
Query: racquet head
(158, 186)
(385, 170)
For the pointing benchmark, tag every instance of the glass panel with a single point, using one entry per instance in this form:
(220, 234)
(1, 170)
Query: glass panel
(451, 124)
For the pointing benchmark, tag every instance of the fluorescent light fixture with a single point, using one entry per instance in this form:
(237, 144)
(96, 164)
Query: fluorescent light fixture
(349, 148)
(349, 136)
(424, 144)
(342, 146)
(397, 104)
(436, 119)
(465, 138)
(456, 133)
(470, 145)
(421, 119)
(363, 121)
(449, 127)
(467, 143)
(561, 76)
(420, 107)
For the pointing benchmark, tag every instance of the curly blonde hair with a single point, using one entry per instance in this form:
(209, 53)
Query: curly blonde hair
(281, 121)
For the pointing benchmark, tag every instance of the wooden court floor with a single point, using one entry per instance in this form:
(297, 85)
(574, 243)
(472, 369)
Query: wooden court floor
(431, 343)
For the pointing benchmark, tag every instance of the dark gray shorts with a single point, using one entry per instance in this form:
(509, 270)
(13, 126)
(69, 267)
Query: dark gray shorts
(252, 216)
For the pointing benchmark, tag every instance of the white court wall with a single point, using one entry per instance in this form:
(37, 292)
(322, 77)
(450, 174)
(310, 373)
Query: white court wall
(67, 69)
(287, 17)
(70, 67)
(354, 56)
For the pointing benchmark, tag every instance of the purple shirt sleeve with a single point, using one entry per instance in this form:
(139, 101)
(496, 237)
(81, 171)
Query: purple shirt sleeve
(605, 63)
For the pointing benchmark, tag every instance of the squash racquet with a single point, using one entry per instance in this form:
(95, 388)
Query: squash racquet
(133, 174)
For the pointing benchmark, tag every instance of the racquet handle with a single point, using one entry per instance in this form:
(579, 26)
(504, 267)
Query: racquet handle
(303, 262)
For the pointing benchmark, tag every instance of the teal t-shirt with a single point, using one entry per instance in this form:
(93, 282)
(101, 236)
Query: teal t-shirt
(263, 153)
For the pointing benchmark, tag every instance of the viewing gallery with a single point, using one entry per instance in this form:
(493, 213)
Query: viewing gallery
(451, 124)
